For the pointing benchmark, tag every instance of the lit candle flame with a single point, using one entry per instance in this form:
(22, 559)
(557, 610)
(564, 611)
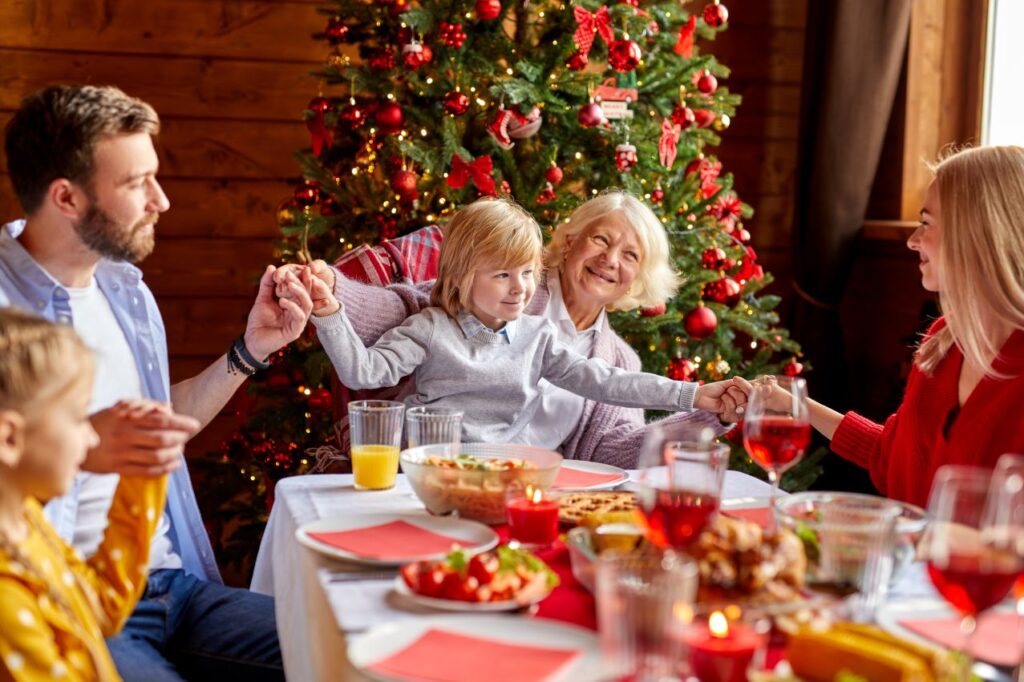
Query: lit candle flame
(536, 495)
(718, 625)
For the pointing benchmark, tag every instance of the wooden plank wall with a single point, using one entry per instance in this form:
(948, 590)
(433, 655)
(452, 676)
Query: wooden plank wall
(230, 79)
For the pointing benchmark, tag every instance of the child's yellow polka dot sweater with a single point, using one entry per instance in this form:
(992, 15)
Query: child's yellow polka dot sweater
(56, 609)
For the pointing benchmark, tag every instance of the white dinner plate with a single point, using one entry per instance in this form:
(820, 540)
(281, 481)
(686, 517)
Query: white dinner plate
(389, 638)
(595, 468)
(474, 537)
(462, 606)
(889, 615)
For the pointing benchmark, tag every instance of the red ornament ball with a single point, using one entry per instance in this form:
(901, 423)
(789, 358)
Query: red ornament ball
(382, 59)
(591, 115)
(456, 103)
(320, 104)
(716, 15)
(701, 322)
(336, 31)
(427, 54)
(553, 175)
(683, 116)
(658, 195)
(488, 10)
(682, 369)
(713, 258)
(793, 369)
(725, 291)
(321, 400)
(707, 83)
(704, 117)
(577, 61)
(653, 311)
(624, 55)
(306, 194)
(390, 118)
(403, 181)
(353, 114)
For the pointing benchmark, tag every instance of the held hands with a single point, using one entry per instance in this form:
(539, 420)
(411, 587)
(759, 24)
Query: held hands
(317, 279)
(139, 438)
(276, 321)
(727, 399)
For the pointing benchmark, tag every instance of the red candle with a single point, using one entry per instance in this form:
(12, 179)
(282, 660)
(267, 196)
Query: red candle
(533, 517)
(721, 651)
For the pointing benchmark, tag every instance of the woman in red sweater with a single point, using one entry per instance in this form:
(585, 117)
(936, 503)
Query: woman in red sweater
(964, 402)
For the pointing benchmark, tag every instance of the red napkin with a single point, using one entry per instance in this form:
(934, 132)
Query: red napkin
(442, 656)
(389, 541)
(574, 478)
(997, 639)
(759, 515)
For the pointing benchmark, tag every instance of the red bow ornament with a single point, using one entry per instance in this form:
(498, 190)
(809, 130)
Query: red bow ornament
(589, 25)
(684, 47)
(667, 144)
(479, 170)
(319, 132)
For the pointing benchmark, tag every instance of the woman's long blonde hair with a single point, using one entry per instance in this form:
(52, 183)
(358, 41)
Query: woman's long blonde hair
(981, 277)
(656, 282)
(496, 231)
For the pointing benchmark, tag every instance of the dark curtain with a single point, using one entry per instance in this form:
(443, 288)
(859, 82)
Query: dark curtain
(852, 62)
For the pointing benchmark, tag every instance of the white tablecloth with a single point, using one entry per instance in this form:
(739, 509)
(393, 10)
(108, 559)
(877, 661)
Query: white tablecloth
(311, 610)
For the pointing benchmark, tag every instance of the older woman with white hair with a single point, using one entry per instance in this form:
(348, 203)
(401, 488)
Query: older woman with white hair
(612, 254)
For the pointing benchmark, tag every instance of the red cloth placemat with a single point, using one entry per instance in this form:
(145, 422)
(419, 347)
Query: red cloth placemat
(759, 515)
(574, 478)
(443, 656)
(997, 639)
(389, 541)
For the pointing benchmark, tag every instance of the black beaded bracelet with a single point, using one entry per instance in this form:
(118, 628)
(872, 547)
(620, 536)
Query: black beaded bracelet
(244, 353)
(236, 365)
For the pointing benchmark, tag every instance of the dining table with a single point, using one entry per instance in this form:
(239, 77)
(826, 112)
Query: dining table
(322, 603)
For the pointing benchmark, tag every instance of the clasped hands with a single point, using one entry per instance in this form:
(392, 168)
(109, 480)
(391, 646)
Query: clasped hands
(139, 438)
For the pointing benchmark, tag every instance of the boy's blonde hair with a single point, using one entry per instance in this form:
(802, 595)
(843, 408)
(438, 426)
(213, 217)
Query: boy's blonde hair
(656, 281)
(496, 232)
(39, 360)
(981, 277)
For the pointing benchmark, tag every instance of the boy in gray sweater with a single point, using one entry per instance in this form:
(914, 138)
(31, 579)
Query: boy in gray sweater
(476, 351)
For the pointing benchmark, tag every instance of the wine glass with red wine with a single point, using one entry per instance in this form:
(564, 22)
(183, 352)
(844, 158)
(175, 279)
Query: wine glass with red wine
(680, 488)
(777, 428)
(971, 562)
(1004, 522)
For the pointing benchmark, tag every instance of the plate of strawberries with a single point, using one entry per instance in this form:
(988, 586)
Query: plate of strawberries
(506, 578)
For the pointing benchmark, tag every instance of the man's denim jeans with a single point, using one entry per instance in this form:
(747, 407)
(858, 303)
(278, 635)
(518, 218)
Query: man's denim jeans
(191, 629)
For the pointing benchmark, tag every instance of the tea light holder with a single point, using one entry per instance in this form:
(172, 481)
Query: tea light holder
(724, 644)
(532, 514)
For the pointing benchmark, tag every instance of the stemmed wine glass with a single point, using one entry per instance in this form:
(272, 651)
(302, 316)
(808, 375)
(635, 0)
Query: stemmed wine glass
(1004, 521)
(679, 487)
(969, 559)
(777, 428)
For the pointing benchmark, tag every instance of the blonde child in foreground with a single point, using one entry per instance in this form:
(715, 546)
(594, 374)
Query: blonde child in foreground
(56, 609)
(474, 350)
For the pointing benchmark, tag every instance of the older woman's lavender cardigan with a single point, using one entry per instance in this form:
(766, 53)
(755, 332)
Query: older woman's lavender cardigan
(605, 433)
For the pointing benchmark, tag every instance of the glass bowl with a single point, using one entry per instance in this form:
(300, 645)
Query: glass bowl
(477, 494)
(803, 513)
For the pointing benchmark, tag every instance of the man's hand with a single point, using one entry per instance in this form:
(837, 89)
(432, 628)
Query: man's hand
(276, 321)
(725, 398)
(139, 438)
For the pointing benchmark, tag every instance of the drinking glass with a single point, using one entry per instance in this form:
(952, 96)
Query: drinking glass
(777, 429)
(680, 488)
(375, 431)
(426, 425)
(969, 561)
(645, 603)
(1004, 520)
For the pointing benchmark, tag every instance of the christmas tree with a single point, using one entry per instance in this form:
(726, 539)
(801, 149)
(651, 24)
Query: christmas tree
(425, 105)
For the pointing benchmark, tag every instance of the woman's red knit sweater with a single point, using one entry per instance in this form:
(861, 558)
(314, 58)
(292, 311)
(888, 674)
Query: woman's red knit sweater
(903, 455)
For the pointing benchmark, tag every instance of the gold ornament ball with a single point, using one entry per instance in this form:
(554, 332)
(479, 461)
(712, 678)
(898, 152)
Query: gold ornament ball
(722, 122)
(286, 216)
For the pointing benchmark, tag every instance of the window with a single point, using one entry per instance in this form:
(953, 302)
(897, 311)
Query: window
(1003, 119)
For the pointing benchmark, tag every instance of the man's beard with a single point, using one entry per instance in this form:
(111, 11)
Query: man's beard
(102, 234)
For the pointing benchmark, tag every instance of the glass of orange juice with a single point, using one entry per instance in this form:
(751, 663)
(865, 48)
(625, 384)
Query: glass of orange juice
(375, 432)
